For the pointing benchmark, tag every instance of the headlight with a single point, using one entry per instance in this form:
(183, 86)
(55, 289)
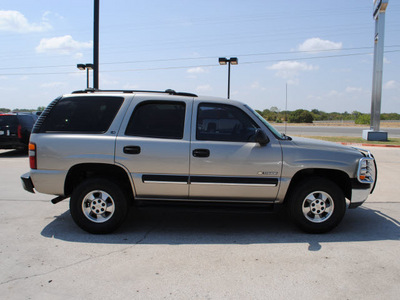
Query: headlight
(366, 170)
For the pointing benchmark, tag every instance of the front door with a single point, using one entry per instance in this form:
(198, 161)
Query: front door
(226, 163)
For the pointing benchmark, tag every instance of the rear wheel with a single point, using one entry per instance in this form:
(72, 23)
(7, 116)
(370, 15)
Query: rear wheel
(98, 206)
(317, 205)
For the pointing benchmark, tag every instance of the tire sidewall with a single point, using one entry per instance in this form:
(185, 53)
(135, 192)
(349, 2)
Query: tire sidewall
(306, 187)
(120, 205)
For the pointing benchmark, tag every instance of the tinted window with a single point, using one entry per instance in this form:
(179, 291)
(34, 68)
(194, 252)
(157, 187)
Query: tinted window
(219, 122)
(82, 114)
(8, 120)
(158, 119)
(26, 120)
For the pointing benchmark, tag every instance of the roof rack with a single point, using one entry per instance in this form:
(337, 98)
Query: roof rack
(168, 91)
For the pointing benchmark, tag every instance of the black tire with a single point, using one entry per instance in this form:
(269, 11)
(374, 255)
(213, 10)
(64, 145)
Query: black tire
(98, 206)
(316, 205)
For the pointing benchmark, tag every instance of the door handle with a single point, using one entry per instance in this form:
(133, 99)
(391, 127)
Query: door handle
(132, 149)
(201, 153)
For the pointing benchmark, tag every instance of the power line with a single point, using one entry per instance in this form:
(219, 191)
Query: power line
(197, 58)
(204, 65)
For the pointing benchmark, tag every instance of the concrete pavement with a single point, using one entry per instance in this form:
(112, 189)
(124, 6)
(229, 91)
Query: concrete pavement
(193, 254)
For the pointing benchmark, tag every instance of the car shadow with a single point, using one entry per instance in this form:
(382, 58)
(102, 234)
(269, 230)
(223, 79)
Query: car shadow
(185, 226)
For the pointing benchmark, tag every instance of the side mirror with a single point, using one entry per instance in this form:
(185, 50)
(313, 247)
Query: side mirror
(261, 137)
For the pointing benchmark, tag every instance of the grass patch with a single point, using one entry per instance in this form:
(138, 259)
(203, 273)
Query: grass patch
(355, 140)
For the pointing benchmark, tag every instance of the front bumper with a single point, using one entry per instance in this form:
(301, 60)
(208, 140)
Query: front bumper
(358, 197)
(27, 183)
(367, 175)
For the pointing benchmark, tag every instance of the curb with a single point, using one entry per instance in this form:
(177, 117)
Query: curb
(370, 145)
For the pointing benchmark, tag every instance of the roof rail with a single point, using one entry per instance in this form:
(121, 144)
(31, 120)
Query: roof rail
(168, 91)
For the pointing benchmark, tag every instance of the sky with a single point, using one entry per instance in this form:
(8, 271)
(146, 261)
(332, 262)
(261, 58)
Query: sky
(321, 50)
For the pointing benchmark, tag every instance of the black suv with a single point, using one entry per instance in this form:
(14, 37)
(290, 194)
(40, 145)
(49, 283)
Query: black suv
(15, 130)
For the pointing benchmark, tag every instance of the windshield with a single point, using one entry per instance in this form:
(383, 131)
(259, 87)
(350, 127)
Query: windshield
(269, 126)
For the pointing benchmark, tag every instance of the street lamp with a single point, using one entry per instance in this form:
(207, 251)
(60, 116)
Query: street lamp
(224, 61)
(86, 67)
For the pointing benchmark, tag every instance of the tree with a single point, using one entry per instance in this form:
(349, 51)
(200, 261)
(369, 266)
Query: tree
(301, 116)
(363, 119)
(274, 109)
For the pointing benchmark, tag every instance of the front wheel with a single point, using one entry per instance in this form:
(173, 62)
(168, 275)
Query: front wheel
(317, 205)
(98, 206)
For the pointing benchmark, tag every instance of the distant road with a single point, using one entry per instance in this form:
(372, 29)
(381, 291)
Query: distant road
(332, 131)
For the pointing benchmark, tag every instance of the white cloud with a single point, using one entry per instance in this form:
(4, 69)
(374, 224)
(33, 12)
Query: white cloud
(256, 86)
(108, 82)
(333, 93)
(352, 89)
(130, 86)
(8, 89)
(14, 21)
(56, 84)
(317, 45)
(61, 45)
(196, 70)
(391, 84)
(294, 81)
(78, 55)
(204, 88)
(49, 14)
(291, 69)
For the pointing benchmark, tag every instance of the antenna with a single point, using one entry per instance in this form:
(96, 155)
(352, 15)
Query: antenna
(286, 110)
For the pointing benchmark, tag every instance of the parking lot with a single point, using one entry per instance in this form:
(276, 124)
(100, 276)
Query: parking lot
(167, 253)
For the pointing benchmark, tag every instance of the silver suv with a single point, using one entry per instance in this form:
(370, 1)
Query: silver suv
(107, 149)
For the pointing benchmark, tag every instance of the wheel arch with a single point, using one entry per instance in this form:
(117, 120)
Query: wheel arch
(81, 172)
(340, 178)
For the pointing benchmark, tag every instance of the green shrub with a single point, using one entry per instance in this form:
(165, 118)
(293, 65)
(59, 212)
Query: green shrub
(363, 119)
(301, 116)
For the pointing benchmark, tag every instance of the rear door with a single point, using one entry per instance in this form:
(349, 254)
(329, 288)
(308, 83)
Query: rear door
(154, 143)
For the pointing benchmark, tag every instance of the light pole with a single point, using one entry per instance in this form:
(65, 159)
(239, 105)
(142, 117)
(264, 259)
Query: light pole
(86, 67)
(224, 61)
(95, 65)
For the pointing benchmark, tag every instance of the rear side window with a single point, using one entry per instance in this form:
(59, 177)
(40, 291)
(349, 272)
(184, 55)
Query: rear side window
(82, 115)
(158, 119)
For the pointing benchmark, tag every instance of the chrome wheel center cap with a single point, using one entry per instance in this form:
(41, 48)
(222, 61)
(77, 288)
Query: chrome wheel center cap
(98, 206)
(317, 207)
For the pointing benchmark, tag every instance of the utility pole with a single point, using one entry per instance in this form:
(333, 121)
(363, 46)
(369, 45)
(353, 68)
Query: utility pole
(96, 44)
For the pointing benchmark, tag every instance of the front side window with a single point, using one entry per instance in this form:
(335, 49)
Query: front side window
(158, 119)
(220, 122)
(82, 115)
